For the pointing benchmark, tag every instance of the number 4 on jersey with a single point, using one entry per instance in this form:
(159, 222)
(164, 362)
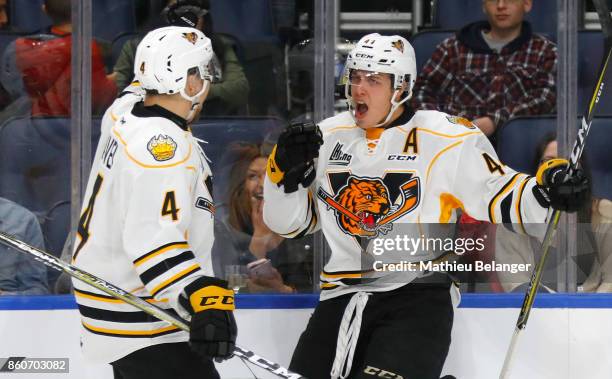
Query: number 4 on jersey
(492, 164)
(84, 221)
(169, 208)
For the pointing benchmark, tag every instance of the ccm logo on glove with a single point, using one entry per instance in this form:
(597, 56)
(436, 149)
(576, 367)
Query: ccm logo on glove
(212, 297)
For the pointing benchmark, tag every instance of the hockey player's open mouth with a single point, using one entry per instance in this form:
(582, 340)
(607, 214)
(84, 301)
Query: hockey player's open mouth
(258, 195)
(361, 109)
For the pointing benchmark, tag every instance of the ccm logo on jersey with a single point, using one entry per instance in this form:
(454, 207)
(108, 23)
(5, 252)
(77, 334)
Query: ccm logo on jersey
(338, 157)
(374, 371)
(400, 157)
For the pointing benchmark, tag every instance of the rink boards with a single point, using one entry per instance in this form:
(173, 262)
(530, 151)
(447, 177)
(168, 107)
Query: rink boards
(568, 336)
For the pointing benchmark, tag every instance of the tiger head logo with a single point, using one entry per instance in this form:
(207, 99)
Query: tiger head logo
(191, 37)
(368, 199)
(399, 44)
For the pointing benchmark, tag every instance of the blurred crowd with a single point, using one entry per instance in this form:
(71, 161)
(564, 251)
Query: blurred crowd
(498, 71)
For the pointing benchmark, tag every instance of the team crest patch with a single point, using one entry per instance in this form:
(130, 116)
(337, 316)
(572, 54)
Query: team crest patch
(399, 44)
(191, 37)
(367, 207)
(461, 121)
(162, 147)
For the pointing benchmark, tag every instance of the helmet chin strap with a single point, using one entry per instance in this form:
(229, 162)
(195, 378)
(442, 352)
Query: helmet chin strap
(195, 100)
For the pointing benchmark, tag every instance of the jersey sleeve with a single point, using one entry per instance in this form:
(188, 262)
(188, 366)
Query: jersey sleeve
(291, 215)
(158, 212)
(491, 191)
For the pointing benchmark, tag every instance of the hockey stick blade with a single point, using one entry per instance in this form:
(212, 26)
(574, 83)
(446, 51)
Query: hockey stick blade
(574, 158)
(118, 293)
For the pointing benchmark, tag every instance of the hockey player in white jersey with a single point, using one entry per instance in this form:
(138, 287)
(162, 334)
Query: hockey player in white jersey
(147, 222)
(373, 171)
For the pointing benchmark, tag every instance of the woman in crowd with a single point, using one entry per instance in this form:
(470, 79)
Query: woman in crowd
(242, 238)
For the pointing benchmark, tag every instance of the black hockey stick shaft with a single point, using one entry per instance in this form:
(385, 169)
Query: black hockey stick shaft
(133, 300)
(574, 158)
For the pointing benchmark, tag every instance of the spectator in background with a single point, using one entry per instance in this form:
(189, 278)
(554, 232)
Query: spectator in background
(3, 14)
(43, 67)
(20, 274)
(491, 70)
(242, 237)
(594, 234)
(228, 96)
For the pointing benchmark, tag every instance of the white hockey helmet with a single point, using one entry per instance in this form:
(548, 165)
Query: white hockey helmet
(383, 54)
(165, 56)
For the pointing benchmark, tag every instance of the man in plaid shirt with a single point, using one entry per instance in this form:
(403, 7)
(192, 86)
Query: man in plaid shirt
(491, 70)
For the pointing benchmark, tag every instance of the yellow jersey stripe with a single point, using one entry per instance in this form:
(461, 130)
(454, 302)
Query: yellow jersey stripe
(168, 282)
(160, 250)
(127, 153)
(127, 333)
(435, 158)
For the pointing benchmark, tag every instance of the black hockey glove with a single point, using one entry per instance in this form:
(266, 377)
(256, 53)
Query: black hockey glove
(292, 160)
(569, 196)
(213, 328)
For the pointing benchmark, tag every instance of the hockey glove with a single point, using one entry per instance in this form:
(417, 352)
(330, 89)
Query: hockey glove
(213, 328)
(292, 160)
(569, 195)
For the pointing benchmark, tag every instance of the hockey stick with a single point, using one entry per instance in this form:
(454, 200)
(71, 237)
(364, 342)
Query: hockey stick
(137, 302)
(606, 26)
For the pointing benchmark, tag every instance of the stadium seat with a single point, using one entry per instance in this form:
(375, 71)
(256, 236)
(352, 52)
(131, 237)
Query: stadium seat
(118, 42)
(27, 16)
(220, 133)
(110, 17)
(425, 44)
(590, 54)
(519, 138)
(113, 17)
(599, 157)
(248, 20)
(454, 14)
(35, 161)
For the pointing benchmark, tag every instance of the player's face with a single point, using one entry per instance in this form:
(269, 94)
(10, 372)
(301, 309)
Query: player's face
(194, 86)
(371, 94)
(255, 178)
(506, 14)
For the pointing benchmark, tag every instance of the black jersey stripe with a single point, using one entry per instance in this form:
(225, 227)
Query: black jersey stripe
(340, 273)
(505, 207)
(501, 191)
(162, 247)
(164, 266)
(518, 203)
(313, 219)
(116, 316)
